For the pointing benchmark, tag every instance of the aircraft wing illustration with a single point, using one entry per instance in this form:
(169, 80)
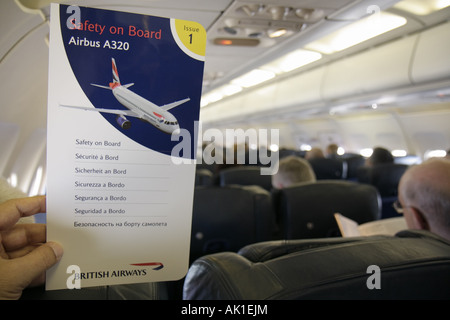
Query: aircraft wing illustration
(113, 111)
(174, 104)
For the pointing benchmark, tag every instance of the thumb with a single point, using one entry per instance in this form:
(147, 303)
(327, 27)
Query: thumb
(31, 267)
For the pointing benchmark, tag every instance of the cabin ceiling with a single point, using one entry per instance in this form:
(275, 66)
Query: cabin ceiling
(24, 37)
(24, 49)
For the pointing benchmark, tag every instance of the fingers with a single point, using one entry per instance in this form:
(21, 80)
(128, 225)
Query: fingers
(34, 264)
(23, 235)
(12, 210)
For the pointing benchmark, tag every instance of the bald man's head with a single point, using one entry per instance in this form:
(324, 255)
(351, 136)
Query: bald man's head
(424, 192)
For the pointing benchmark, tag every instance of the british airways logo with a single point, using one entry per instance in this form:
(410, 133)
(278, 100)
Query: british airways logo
(75, 277)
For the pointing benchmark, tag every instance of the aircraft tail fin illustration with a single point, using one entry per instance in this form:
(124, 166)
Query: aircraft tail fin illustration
(115, 73)
(116, 79)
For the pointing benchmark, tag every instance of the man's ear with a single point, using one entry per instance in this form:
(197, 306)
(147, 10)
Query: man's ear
(419, 219)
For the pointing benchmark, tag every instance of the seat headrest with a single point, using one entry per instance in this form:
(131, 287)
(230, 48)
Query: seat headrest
(307, 210)
(228, 218)
(411, 265)
(327, 168)
(245, 175)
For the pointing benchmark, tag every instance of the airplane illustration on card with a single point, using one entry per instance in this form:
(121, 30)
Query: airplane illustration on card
(138, 107)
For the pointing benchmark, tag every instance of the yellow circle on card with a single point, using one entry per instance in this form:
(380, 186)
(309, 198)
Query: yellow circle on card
(192, 35)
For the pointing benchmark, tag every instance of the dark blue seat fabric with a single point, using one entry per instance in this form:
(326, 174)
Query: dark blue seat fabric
(326, 168)
(385, 177)
(228, 218)
(307, 210)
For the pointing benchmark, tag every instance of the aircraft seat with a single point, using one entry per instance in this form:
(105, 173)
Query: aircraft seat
(203, 177)
(353, 161)
(327, 168)
(307, 210)
(245, 175)
(410, 265)
(230, 217)
(385, 177)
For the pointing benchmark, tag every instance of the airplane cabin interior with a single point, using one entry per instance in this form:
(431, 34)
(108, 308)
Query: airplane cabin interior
(358, 74)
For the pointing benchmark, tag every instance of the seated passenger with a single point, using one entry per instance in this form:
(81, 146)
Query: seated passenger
(380, 155)
(314, 153)
(424, 197)
(332, 151)
(291, 170)
(414, 263)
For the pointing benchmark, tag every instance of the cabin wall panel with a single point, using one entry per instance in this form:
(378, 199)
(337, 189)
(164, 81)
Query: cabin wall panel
(369, 131)
(9, 134)
(428, 130)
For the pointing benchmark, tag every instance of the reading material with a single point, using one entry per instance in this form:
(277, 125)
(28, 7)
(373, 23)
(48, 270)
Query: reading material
(350, 228)
(123, 107)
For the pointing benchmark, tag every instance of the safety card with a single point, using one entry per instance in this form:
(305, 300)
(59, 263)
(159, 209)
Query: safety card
(123, 109)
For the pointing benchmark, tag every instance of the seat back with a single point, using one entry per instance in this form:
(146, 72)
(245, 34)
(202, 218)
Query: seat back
(326, 168)
(245, 175)
(377, 267)
(228, 218)
(307, 210)
(353, 162)
(386, 176)
(203, 177)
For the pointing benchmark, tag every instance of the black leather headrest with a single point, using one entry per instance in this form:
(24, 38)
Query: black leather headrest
(411, 265)
(245, 175)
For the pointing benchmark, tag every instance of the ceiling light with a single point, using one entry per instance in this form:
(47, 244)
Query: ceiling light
(439, 153)
(399, 153)
(422, 8)
(210, 98)
(274, 148)
(293, 60)
(230, 89)
(305, 147)
(253, 78)
(357, 32)
(277, 33)
(366, 152)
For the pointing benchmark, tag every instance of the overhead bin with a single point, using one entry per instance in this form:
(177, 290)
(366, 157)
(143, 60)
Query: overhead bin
(377, 69)
(431, 60)
(300, 89)
(416, 59)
